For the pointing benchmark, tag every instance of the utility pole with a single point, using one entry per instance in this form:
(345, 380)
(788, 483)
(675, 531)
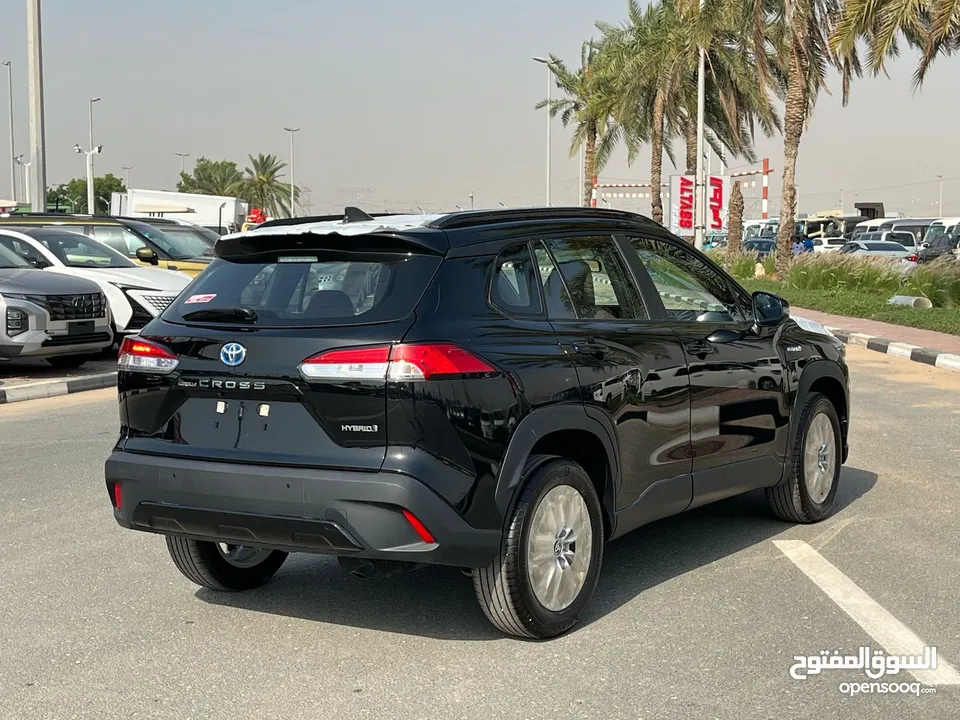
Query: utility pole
(38, 154)
(13, 151)
(91, 175)
(549, 122)
(941, 195)
(700, 188)
(293, 199)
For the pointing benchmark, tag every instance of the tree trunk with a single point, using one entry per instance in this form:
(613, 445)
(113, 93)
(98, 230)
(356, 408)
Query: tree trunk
(656, 160)
(735, 228)
(690, 134)
(589, 163)
(794, 115)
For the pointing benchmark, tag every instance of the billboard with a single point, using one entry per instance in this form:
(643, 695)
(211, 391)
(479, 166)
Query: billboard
(681, 216)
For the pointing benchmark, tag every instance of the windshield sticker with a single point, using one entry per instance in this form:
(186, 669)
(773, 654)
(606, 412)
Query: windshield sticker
(200, 298)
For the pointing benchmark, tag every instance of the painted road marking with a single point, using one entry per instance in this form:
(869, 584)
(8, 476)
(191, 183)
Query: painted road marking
(895, 637)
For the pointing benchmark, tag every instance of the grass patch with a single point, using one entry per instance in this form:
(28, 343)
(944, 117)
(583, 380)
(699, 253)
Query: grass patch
(868, 305)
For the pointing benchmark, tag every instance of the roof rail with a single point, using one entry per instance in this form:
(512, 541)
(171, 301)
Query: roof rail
(351, 211)
(476, 218)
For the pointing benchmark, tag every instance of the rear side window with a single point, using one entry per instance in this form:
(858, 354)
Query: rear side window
(587, 278)
(335, 289)
(513, 287)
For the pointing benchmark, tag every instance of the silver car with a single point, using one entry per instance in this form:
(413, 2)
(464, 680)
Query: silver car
(62, 319)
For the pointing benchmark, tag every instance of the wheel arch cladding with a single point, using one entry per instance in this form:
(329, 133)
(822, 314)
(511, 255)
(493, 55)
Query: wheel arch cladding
(826, 378)
(568, 432)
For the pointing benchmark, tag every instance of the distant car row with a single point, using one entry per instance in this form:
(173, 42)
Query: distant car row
(72, 286)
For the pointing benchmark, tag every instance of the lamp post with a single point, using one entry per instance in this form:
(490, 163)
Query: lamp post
(293, 211)
(13, 164)
(38, 152)
(126, 175)
(18, 160)
(91, 200)
(549, 120)
(940, 177)
(183, 157)
(701, 210)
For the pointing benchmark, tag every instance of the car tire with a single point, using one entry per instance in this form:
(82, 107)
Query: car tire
(208, 565)
(68, 362)
(519, 591)
(808, 494)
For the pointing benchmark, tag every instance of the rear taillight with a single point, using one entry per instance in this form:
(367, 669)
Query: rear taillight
(912, 258)
(117, 496)
(419, 527)
(139, 355)
(397, 363)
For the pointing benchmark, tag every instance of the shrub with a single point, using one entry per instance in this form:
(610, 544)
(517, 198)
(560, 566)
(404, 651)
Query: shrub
(938, 281)
(830, 271)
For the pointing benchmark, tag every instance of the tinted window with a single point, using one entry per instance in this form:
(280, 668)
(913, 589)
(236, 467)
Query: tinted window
(850, 247)
(901, 238)
(118, 238)
(76, 250)
(311, 291)
(690, 289)
(514, 285)
(590, 276)
(884, 246)
(177, 241)
(10, 259)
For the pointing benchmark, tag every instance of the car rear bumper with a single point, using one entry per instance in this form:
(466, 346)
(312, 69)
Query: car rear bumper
(298, 510)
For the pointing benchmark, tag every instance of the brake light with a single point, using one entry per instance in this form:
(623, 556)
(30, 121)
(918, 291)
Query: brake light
(419, 527)
(912, 258)
(139, 355)
(117, 496)
(397, 363)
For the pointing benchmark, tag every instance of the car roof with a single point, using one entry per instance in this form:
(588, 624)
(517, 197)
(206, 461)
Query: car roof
(439, 232)
(61, 218)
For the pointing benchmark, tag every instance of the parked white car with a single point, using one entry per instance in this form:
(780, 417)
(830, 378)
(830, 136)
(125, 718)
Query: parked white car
(870, 245)
(136, 294)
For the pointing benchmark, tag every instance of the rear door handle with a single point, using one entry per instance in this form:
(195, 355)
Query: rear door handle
(589, 347)
(699, 347)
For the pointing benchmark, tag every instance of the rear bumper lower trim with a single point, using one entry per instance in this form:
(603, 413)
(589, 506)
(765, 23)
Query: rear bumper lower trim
(295, 509)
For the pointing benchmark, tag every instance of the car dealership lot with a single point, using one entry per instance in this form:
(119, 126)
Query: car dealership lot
(697, 616)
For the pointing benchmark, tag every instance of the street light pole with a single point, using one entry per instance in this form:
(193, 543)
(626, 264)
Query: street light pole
(13, 165)
(91, 199)
(38, 153)
(183, 157)
(293, 199)
(941, 195)
(126, 175)
(549, 122)
(700, 188)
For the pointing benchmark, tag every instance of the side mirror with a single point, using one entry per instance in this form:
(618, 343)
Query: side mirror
(38, 262)
(147, 255)
(769, 310)
(924, 245)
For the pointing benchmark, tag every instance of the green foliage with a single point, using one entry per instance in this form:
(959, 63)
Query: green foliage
(73, 194)
(262, 187)
(830, 271)
(212, 177)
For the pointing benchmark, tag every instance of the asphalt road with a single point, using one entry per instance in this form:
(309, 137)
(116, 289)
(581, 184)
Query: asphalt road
(695, 617)
(26, 371)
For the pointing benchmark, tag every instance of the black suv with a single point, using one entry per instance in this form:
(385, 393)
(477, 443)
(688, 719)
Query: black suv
(502, 392)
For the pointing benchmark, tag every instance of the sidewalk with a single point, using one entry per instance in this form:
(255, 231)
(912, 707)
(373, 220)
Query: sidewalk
(925, 346)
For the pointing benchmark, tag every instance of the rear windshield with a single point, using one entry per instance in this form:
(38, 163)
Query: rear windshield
(884, 246)
(336, 289)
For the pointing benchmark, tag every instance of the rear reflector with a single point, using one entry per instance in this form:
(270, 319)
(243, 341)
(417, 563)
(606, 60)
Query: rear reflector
(117, 496)
(139, 355)
(419, 527)
(397, 363)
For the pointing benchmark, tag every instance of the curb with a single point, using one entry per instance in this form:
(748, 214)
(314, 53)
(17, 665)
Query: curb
(53, 388)
(926, 356)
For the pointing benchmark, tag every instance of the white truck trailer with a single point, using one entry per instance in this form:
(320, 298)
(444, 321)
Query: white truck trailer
(212, 211)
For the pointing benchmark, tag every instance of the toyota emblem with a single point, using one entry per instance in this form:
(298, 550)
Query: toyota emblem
(233, 354)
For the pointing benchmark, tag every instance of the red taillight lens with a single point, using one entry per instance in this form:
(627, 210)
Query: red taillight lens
(117, 496)
(419, 527)
(139, 355)
(912, 258)
(398, 363)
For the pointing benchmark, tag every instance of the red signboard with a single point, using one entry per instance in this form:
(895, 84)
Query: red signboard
(716, 203)
(686, 203)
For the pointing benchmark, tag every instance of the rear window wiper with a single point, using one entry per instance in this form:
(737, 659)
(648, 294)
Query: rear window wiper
(233, 314)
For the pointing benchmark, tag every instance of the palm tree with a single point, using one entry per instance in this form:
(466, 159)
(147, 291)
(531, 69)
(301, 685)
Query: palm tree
(932, 26)
(262, 188)
(209, 177)
(655, 55)
(805, 27)
(735, 225)
(587, 102)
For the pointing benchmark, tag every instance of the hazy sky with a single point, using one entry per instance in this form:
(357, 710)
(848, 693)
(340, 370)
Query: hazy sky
(410, 103)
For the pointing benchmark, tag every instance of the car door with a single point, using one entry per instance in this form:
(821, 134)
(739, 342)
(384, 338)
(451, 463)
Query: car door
(739, 411)
(630, 367)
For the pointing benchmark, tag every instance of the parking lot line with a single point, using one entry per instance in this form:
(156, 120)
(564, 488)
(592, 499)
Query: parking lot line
(895, 637)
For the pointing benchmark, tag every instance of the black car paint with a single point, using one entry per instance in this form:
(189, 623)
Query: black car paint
(467, 441)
